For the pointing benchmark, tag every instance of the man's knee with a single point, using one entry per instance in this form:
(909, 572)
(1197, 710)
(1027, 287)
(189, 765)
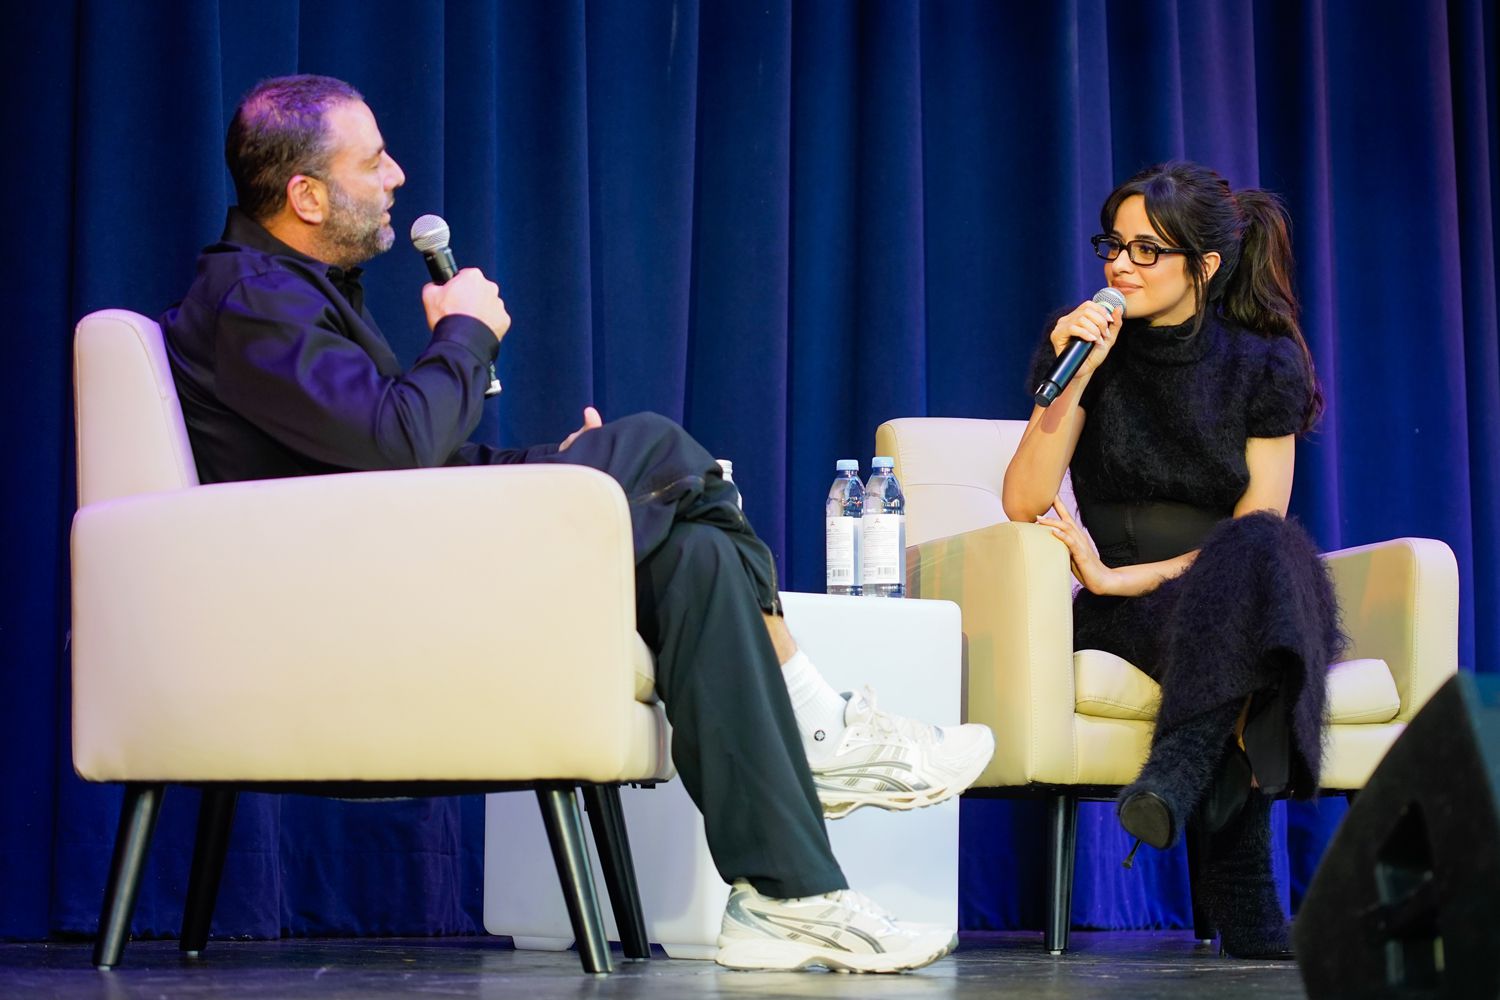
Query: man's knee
(662, 445)
(647, 421)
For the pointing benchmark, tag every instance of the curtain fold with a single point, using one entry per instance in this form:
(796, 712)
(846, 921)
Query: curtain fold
(643, 101)
(35, 412)
(780, 223)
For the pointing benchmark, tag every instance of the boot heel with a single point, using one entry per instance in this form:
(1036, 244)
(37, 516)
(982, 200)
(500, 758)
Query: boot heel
(1146, 816)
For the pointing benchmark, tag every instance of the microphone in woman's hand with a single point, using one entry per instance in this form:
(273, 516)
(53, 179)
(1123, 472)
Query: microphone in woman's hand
(1071, 358)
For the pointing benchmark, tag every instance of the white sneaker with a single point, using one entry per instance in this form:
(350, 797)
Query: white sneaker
(842, 931)
(893, 762)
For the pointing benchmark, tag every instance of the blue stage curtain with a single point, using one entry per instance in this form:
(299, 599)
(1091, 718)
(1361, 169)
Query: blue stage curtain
(781, 223)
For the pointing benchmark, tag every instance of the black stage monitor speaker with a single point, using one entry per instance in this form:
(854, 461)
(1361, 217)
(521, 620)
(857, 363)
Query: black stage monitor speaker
(1406, 902)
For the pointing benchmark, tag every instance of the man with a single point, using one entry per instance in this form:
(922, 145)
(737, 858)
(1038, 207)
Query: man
(282, 372)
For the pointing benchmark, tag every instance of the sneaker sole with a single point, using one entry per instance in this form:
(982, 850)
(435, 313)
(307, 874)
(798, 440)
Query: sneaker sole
(769, 955)
(890, 801)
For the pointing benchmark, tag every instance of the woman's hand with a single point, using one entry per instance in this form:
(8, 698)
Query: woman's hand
(1096, 577)
(1093, 323)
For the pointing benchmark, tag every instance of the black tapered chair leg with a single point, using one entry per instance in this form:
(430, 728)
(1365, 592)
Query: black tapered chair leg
(138, 814)
(1197, 854)
(607, 819)
(215, 817)
(565, 833)
(1062, 842)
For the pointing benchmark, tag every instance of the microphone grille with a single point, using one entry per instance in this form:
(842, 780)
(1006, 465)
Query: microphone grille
(430, 233)
(1109, 298)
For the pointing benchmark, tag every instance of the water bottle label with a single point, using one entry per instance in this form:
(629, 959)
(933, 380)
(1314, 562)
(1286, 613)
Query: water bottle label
(841, 538)
(885, 538)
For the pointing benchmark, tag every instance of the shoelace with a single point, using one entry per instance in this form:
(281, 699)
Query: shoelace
(860, 903)
(885, 724)
(857, 902)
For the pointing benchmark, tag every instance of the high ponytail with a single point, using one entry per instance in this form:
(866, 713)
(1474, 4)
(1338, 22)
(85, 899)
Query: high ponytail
(1193, 207)
(1258, 294)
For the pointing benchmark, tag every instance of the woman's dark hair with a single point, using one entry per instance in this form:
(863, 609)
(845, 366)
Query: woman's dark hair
(278, 131)
(1192, 207)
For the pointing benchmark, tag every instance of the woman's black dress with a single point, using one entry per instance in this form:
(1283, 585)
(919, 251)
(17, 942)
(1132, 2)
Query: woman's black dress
(1157, 472)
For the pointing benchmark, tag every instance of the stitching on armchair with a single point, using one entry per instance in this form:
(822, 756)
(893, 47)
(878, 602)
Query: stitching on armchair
(1409, 687)
(1368, 718)
(1099, 700)
(1449, 611)
(957, 486)
(1033, 630)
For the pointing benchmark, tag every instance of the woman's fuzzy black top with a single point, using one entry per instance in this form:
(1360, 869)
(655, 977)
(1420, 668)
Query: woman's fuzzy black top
(1169, 411)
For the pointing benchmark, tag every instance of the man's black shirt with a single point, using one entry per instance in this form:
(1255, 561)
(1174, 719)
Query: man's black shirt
(282, 371)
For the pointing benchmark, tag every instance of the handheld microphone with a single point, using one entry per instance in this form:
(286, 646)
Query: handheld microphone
(429, 234)
(1069, 361)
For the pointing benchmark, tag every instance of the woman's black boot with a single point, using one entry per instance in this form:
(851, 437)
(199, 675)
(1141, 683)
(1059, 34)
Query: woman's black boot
(1239, 887)
(1183, 763)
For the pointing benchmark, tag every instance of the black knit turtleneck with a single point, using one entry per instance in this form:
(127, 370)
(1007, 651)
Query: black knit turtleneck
(1168, 413)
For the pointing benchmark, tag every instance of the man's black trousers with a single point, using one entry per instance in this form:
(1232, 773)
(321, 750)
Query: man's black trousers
(703, 580)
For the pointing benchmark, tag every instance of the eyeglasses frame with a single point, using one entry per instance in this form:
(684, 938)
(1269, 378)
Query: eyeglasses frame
(1125, 245)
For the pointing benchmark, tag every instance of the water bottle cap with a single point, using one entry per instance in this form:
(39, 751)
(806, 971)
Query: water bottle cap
(847, 465)
(882, 462)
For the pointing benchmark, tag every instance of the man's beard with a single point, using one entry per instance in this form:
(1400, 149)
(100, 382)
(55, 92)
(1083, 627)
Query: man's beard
(353, 232)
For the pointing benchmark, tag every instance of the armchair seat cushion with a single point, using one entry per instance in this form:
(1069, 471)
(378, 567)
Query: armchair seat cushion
(1361, 692)
(1111, 687)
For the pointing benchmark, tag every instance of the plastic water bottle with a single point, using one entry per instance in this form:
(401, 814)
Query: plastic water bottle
(843, 523)
(884, 572)
(728, 467)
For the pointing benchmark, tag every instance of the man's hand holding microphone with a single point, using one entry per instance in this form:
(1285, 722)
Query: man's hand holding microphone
(468, 293)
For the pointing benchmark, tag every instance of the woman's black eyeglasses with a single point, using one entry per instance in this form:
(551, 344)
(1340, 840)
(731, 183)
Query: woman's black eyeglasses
(1143, 253)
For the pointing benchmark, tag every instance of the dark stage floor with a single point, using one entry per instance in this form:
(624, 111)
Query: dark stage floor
(1137, 965)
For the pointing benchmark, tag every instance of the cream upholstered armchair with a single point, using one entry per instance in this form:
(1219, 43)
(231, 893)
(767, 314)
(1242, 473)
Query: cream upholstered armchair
(364, 635)
(1077, 725)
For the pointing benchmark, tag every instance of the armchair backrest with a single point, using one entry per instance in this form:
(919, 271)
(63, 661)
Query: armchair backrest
(952, 470)
(130, 434)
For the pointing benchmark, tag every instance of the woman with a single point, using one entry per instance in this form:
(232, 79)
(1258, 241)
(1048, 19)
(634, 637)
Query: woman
(1180, 430)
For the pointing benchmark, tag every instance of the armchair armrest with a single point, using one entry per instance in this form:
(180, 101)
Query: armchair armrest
(1398, 601)
(1012, 583)
(371, 625)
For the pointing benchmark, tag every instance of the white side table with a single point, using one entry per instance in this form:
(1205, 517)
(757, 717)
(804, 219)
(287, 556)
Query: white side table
(910, 653)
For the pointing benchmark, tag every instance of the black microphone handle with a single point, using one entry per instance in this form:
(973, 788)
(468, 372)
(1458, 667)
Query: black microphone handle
(1063, 371)
(440, 264)
(441, 268)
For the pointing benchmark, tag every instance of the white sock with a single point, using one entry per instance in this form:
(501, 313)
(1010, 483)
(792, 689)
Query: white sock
(818, 707)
